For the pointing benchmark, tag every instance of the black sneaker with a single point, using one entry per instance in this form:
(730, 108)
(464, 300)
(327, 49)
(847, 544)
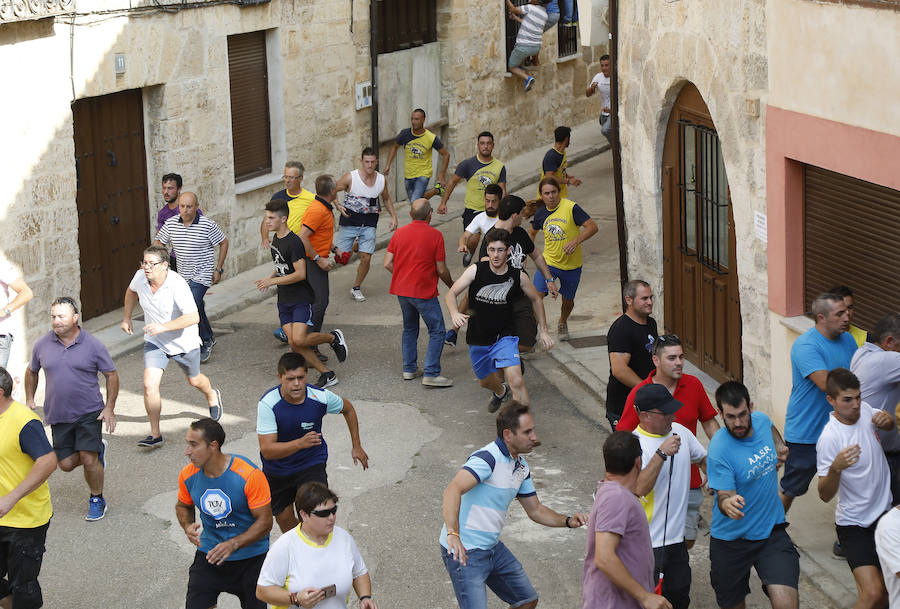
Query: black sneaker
(467, 258)
(151, 442)
(450, 338)
(497, 400)
(322, 357)
(837, 552)
(339, 345)
(327, 379)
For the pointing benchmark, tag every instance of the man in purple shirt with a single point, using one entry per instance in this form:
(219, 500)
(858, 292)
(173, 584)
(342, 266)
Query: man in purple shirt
(73, 406)
(171, 189)
(618, 563)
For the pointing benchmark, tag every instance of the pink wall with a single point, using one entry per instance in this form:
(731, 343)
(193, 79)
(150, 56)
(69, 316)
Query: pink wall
(794, 139)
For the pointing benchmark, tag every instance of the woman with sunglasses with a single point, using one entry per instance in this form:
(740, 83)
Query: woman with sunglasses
(315, 564)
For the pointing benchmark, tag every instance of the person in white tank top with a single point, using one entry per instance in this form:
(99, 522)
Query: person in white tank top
(359, 215)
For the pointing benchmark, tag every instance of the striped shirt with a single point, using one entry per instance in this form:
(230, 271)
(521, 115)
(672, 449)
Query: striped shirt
(482, 510)
(531, 30)
(194, 245)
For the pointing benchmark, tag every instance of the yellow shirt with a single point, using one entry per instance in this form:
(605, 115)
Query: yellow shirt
(859, 335)
(560, 172)
(417, 155)
(560, 228)
(34, 509)
(297, 207)
(478, 175)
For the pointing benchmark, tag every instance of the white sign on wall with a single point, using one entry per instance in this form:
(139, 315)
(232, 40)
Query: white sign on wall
(760, 225)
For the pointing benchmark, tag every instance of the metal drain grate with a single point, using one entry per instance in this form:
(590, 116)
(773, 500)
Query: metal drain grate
(588, 341)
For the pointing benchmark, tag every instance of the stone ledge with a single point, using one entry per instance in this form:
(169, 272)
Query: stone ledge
(798, 323)
(242, 188)
(569, 58)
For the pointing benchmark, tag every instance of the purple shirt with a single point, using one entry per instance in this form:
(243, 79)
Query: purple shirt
(72, 389)
(617, 510)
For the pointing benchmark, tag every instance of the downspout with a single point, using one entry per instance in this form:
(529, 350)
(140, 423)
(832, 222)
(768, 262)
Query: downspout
(621, 232)
(373, 51)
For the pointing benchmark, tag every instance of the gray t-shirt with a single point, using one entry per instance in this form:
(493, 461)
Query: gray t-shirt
(879, 378)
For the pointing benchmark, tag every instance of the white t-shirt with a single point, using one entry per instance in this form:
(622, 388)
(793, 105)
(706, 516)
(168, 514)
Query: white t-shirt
(654, 502)
(298, 562)
(481, 223)
(603, 89)
(8, 275)
(172, 300)
(887, 542)
(865, 490)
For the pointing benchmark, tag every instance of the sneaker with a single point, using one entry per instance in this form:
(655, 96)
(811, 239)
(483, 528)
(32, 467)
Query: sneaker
(327, 379)
(408, 376)
(497, 400)
(204, 355)
(216, 410)
(450, 338)
(562, 330)
(96, 509)
(280, 335)
(437, 381)
(357, 294)
(322, 357)
(339, 345)
(103, 446)
(837, 552)
(529, 82)
(151, 442)
(467, 259)
(439, 188)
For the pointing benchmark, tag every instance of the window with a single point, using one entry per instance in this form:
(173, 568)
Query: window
(250, 125)
(567, 40)
(851, 238)
(404, 24)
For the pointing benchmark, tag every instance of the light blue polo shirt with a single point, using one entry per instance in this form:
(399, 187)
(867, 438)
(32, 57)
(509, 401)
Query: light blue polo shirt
(482, 511)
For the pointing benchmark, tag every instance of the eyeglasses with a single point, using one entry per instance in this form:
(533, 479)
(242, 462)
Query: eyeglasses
(291, 177)
(149, 265)
(324, 513)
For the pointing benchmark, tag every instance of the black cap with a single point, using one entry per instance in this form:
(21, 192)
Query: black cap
(653, 396)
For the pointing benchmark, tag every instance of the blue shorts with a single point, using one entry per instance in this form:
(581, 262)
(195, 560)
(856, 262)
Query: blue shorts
(295, 313)
(154, 357)
(348, 234)
(487, 359)
(799, 469)
(496, 569)
(568, 281)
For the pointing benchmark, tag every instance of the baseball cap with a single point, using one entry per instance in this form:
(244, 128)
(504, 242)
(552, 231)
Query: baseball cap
(653, 396)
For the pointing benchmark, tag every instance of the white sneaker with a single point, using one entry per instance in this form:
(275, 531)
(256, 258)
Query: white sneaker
(437, 381)
(408, 376)
(357, 294)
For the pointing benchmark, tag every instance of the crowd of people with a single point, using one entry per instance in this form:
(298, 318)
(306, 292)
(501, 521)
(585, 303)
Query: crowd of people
(840, 426)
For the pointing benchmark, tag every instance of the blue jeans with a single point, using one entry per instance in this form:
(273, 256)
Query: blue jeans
(199, 291)
(497, 568)
(552, 19)
(430, 311)
(416, 187)
(568, 11)
(606, 127)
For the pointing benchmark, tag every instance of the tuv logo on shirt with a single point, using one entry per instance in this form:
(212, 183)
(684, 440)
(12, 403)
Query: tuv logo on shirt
(214, 502)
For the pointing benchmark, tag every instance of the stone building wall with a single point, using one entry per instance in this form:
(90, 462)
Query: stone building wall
(720, 46)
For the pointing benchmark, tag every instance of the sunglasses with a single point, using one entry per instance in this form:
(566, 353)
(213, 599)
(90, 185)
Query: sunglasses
(324, 513)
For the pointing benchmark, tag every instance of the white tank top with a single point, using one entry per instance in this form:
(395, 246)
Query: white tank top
(363, 199)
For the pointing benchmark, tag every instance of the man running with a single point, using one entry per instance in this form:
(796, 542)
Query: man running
(289, 428)
(359, 214)
(494, 285)
(478, 171)
(481, 223)
(555, 162)
(295, 295)
(417, 143)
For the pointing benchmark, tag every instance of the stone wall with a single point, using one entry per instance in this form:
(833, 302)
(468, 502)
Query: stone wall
(720, 46)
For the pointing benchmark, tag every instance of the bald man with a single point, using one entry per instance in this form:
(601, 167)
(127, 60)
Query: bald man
(194, 239)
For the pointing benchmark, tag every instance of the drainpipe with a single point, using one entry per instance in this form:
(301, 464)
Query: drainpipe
(373, 51)
(616, 150)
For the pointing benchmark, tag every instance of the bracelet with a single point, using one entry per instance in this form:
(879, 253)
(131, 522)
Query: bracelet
(567, 522)
(220, 271)
(449, 533)
(661, 454)
(295, 602)
(316, 259)
(365, 596)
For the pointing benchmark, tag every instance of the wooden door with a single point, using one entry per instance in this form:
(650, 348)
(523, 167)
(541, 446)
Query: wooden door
(702, 302)
(113, 216)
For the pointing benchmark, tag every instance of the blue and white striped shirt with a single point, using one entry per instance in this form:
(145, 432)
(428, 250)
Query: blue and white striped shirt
(194, 245)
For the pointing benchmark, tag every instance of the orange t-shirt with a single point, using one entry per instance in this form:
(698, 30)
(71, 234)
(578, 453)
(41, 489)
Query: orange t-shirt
(319, 218)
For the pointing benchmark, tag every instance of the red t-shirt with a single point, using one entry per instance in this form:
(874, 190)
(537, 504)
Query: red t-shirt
(696, 407)
(417, 247)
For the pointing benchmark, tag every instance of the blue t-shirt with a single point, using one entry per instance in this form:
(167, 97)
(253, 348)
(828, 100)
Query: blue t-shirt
(292, 421)
(750, 467)
(808, 410)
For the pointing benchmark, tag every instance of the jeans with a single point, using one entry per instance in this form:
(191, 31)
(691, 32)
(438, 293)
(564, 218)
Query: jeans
(552, 19)
(318, 280)
(568, 11)
(415, 187)
(495, 568)
(199, 291)
(5, 348)
(430, 311)
(606, 127)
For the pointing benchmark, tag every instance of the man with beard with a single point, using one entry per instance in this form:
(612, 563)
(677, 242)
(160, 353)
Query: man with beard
(481, 223)
(748, 524)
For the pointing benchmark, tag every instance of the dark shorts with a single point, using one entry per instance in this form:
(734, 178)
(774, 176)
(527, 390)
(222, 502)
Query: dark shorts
(21, 554)
(85, 433)
(675, 565)
(284, 488)
(468, 216)
(237, 577)
(799, 469)
(858, 545)
(775, 559)
(295, 313)
(526, 324)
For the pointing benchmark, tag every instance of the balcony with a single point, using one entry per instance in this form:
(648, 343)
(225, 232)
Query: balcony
(27, 10)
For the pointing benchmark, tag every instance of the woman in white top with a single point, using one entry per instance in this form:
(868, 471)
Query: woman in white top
(315, 564)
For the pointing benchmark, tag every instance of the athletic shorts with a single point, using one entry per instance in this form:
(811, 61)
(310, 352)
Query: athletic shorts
(526, 324)
(237, 577)
(295, 313)
(21, 556)
(695, 499)
(468, 216)
(675, 565)
(345, 237)
(154, 357)
(775, 559)
(799, 469)
(858, 545)
(284, 488)
(487, 359)
(568, 281)
(85, 433)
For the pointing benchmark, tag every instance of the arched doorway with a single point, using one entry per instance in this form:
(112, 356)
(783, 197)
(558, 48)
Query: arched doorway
(702, 302)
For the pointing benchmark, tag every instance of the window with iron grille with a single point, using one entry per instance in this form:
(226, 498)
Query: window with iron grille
(512, 30)
(404, 24)
(567, 40)
(703, 195)
(250, 128)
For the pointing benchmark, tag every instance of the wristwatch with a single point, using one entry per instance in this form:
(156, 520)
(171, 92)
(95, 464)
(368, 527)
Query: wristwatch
(661, 454)
(220, 271)
(316, 258)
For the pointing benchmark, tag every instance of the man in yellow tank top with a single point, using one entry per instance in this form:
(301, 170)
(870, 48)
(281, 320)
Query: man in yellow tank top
(565, 227)
(298, 199)
(478, 171)
(556, 161)
(26, 461)
(417, 143)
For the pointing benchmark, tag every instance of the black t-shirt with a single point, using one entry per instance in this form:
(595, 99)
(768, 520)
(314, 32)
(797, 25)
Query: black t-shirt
(627, 336)
(519, 249)
(285, 252)
(490, 302)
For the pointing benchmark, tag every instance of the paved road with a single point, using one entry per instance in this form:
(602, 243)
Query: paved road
(416, 439)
